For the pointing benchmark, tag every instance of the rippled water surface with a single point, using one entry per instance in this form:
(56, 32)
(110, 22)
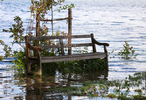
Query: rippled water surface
(111, 21)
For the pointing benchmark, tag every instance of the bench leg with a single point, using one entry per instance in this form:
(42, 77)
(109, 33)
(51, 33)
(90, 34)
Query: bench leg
(106, 60)
(40, 69)
(28, 68)
(105, 74)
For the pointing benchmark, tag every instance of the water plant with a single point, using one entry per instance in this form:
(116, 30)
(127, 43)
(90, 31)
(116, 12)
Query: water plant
(117, 89)
(126, 53)
(120, 89)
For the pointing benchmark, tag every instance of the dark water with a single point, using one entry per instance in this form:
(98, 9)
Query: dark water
(111, 21)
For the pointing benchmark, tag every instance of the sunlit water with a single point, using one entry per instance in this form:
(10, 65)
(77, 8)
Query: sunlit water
(111, 21)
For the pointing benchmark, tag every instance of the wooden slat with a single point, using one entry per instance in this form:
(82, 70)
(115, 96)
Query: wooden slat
(78, 45)
(58, 37)
(84, 55)
(72, 57)
(65, 46)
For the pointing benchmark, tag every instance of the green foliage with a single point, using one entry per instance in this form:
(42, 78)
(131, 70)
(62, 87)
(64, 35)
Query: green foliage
(42, 6)
(7, 50)
(118, 88)
(89, 65)
(66, 7)
(111, 95)
(20, 60)
(17, 31)
(121, 88)
(81, 66)
(1, 58)
(49, 69)
(126, 53)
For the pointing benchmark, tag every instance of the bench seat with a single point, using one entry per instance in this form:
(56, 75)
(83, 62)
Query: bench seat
(45, 59)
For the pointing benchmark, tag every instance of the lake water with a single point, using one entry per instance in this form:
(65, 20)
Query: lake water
(111, 21)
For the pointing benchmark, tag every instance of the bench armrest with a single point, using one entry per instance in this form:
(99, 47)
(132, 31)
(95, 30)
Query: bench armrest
(99, 43)
(34, 48)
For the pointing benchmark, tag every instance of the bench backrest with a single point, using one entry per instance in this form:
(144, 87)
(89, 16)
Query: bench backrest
(28, 39)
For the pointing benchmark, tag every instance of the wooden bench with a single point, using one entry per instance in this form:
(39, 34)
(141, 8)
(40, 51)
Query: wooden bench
(59, 58)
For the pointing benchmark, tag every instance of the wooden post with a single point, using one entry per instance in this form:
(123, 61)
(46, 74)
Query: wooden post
(69, 29)
(106, 58)
(37, 24)
(52, 17)
(62, 48)
(39, 65)
(92, 38)
(28, 55)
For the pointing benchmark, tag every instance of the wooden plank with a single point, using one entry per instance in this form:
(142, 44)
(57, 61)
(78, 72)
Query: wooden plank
(69, 56)
(58, 37)
(65, 46)
(72, 57)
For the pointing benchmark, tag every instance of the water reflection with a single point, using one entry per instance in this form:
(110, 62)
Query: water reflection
(55, 87)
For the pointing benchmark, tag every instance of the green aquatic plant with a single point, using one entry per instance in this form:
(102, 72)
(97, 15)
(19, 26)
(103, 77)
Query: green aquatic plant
(1, 58)
(126, 53)
(120, 88)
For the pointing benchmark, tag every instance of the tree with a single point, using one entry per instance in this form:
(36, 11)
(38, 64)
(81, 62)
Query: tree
(38, 8)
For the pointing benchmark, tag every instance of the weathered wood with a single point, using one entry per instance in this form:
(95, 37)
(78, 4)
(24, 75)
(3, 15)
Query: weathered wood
(52, 17)
(59, 46)
(72, 57)
(47, 59)
(93, 43)
(27, 55)
(62, 47)
(37, 24)
(39, 60)
(58, 37)
(106, 58)
(69, 29)
(98, 43)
